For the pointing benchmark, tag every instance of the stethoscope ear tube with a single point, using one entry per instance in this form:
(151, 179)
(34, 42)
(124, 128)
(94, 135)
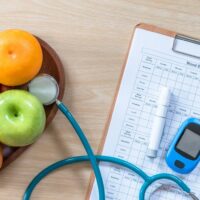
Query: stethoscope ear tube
(79, 159)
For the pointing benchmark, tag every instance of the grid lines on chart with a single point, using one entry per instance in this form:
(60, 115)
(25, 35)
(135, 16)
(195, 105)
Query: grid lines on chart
(133, 139)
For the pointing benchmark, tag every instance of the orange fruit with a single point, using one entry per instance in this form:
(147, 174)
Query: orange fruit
(20, 57)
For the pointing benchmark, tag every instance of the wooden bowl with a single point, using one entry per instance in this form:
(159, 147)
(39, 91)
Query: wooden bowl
(51, 65)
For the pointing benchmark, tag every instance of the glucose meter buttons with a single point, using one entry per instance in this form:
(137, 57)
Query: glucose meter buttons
(179, 164)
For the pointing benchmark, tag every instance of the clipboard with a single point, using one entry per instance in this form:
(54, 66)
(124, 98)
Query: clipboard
(178, 40)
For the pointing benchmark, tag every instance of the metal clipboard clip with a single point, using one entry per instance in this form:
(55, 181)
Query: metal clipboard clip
(186, 45)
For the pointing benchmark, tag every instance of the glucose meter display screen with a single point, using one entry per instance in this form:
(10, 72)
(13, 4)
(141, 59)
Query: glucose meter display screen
(189, 143)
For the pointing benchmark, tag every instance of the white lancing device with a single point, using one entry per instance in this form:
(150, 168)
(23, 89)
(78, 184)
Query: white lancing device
(158, 122)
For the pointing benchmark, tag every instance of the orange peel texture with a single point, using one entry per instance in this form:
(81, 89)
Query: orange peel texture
(20, 57)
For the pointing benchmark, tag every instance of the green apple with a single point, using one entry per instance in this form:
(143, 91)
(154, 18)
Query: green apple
(22, 118)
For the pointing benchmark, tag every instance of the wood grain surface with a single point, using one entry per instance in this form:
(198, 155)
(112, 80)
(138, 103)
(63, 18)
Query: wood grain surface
(91, 38)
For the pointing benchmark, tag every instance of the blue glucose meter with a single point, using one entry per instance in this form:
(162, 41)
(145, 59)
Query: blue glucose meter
(184, 152)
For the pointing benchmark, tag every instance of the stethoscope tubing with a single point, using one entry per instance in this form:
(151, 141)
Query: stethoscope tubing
(94, 159)
(86, 145)
(79, 159)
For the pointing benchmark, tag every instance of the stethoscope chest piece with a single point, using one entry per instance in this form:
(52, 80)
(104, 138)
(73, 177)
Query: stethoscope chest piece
(45, 88)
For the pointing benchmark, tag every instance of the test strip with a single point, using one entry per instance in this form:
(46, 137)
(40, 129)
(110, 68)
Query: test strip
(158, 122)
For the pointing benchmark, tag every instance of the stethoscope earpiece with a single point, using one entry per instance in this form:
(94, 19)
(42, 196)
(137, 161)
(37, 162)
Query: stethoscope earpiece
(167, 187)
(193, 196)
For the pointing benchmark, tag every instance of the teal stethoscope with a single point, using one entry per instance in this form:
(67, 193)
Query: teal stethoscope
(48, 94)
